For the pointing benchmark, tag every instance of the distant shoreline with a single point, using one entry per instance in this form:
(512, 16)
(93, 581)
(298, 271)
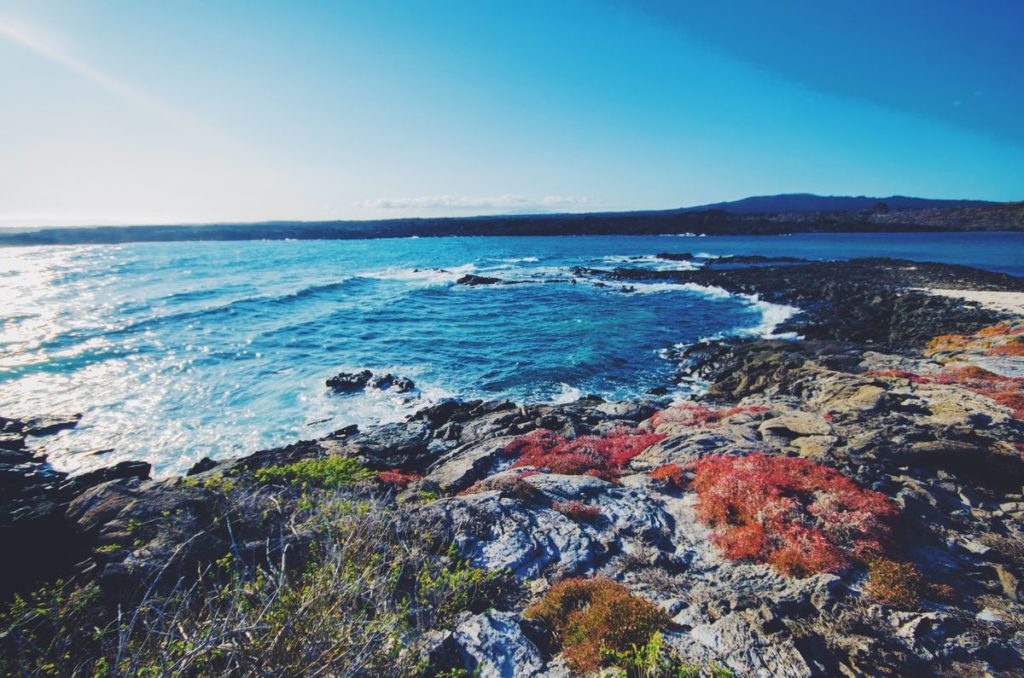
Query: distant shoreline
(685, 224)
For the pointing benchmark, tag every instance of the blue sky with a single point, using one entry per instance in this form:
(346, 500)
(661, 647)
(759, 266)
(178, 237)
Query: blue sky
(146, 112)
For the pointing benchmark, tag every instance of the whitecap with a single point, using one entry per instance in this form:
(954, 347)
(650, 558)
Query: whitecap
(772, 315)
(650, 288)
(651, 262)
(369, 407)
(712, 291)
(426, 276)
(566, 394)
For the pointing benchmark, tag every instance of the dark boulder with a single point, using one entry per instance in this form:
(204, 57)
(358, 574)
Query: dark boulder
(125, 469)
(406, 446)
(346, 382)
(8, 425)
(50, 424)
(444, 411)
(202, 466)
(145, 533)
(403, 384)
(12, 441)
(473, 280)
(391, 382)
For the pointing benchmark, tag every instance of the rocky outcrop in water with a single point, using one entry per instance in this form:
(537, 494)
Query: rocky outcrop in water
(350, 382)
(872, 302)
(475, 280)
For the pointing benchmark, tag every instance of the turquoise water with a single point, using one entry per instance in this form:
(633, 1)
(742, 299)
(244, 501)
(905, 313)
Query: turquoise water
(181, 350)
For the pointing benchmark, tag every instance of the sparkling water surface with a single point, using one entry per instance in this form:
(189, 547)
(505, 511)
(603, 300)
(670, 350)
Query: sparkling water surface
(175, 351)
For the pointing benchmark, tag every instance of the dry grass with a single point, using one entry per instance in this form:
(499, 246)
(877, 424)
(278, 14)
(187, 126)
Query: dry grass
(358, 601)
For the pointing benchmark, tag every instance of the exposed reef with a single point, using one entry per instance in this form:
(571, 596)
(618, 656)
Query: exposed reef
(875, 302)
(850, 503)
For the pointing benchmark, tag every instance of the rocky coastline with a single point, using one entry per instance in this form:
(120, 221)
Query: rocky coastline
(888, 440)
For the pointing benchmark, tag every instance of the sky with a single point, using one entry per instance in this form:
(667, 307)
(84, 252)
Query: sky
(118, 112)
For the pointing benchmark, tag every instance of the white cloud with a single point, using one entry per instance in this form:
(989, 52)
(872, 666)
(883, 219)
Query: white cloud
(449, 202)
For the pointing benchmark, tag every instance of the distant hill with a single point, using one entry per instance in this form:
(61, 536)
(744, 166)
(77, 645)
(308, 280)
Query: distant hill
(808, 202)
(769, 215)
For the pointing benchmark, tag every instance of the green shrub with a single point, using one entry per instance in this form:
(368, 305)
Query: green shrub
(327, 473)
(894, 583)
(53, 626)
(219, 484)
(651, 660)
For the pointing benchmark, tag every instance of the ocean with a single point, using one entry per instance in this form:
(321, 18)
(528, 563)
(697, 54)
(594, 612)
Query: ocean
(176, 351)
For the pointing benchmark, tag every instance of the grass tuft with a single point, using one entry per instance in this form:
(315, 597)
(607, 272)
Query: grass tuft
(323, 473)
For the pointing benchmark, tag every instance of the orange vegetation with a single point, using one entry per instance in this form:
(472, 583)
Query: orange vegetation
(671, 474)
(398, 478)
(603, 457)
(895, 583)
(590, 617)
(798, 516)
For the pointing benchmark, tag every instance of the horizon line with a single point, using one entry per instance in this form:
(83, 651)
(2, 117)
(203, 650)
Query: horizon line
(493, 215)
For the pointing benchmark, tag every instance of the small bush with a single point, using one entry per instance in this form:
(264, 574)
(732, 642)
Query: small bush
(326, 473)
(219, 484)
(798, 516)
(944, 593)
(653, 660)
(1006, 391)
(671, 475)
(45, 633)
(587, 455)
(398, 478)
(894, 583)
(577, 510)
(592, 617)
(966, 375)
